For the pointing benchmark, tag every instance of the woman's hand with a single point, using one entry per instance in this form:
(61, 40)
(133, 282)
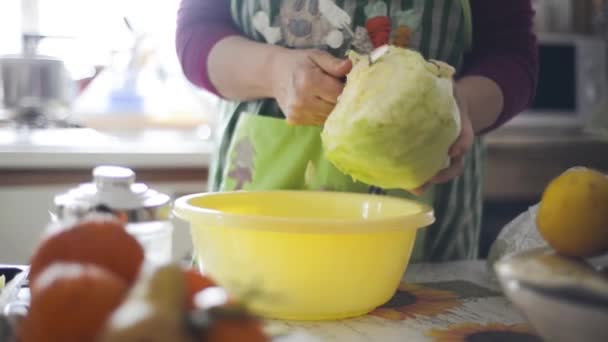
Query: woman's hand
(480, 101)
(307, 83)
(457, 151)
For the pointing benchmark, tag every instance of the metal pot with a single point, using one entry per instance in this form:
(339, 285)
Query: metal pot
(29, 78)
(33, 81)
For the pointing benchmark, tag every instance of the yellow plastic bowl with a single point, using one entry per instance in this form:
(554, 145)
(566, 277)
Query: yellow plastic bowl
(309, 255)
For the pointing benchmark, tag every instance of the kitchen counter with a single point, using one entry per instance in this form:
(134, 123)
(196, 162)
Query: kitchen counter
(60, 156)
(522, 160)
(85, 148)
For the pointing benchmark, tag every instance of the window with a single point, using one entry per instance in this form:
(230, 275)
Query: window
(85, 33)
(10, 26)
(89, 33)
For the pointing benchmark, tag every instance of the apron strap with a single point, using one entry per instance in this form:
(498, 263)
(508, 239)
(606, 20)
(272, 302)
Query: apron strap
(468, 24)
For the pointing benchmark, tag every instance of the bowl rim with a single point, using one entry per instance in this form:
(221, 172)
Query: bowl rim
(186, 211)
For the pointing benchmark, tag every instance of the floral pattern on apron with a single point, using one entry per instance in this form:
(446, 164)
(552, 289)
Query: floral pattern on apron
(258, 150)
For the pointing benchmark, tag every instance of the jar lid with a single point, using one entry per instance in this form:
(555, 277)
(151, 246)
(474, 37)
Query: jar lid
(113, 188)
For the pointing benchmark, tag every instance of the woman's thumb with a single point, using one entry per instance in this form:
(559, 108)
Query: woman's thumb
(331, 65)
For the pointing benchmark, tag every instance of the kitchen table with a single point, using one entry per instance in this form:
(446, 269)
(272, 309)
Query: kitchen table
(457, 301)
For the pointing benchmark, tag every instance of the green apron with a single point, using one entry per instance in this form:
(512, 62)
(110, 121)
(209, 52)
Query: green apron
(258, 150)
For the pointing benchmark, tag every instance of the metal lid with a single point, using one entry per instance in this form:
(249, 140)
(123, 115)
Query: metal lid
(114, 188)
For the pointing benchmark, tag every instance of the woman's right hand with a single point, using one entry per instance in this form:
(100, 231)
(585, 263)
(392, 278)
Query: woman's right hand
(307, 83)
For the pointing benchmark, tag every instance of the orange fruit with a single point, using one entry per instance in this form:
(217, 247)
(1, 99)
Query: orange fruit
(195, 283)
(573, 213)
(72, 303)
(99, 241)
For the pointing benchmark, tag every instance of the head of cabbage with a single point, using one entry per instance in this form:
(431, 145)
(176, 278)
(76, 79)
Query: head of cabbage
(395, 120)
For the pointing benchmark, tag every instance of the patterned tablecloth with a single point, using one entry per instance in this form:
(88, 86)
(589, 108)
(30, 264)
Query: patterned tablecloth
(445, 302)
(458, 301)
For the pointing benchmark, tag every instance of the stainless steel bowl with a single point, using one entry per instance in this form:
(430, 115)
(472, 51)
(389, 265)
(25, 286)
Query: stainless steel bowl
(563, 299)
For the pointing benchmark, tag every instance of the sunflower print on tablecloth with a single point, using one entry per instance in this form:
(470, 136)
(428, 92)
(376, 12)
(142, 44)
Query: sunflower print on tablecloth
(413, 300)
(493, 332)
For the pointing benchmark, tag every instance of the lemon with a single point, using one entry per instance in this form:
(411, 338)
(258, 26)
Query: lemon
(573, 213)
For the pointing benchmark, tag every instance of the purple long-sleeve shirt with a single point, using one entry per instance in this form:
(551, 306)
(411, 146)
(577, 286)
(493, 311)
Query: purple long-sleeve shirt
(504, 46)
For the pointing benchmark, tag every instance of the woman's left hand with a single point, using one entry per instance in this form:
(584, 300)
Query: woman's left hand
(457, 151)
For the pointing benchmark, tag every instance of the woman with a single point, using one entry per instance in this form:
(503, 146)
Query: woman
(280, 67)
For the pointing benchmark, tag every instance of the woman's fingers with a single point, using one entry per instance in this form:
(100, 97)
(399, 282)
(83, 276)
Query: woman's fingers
(465, 139)
(322, 107)
(421, 190)
(454, 170)
(331, 65)
(314, 112)
(313, 87)
(328, 88)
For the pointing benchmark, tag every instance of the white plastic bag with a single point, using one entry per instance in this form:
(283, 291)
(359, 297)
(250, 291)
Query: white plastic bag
(517, 236)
